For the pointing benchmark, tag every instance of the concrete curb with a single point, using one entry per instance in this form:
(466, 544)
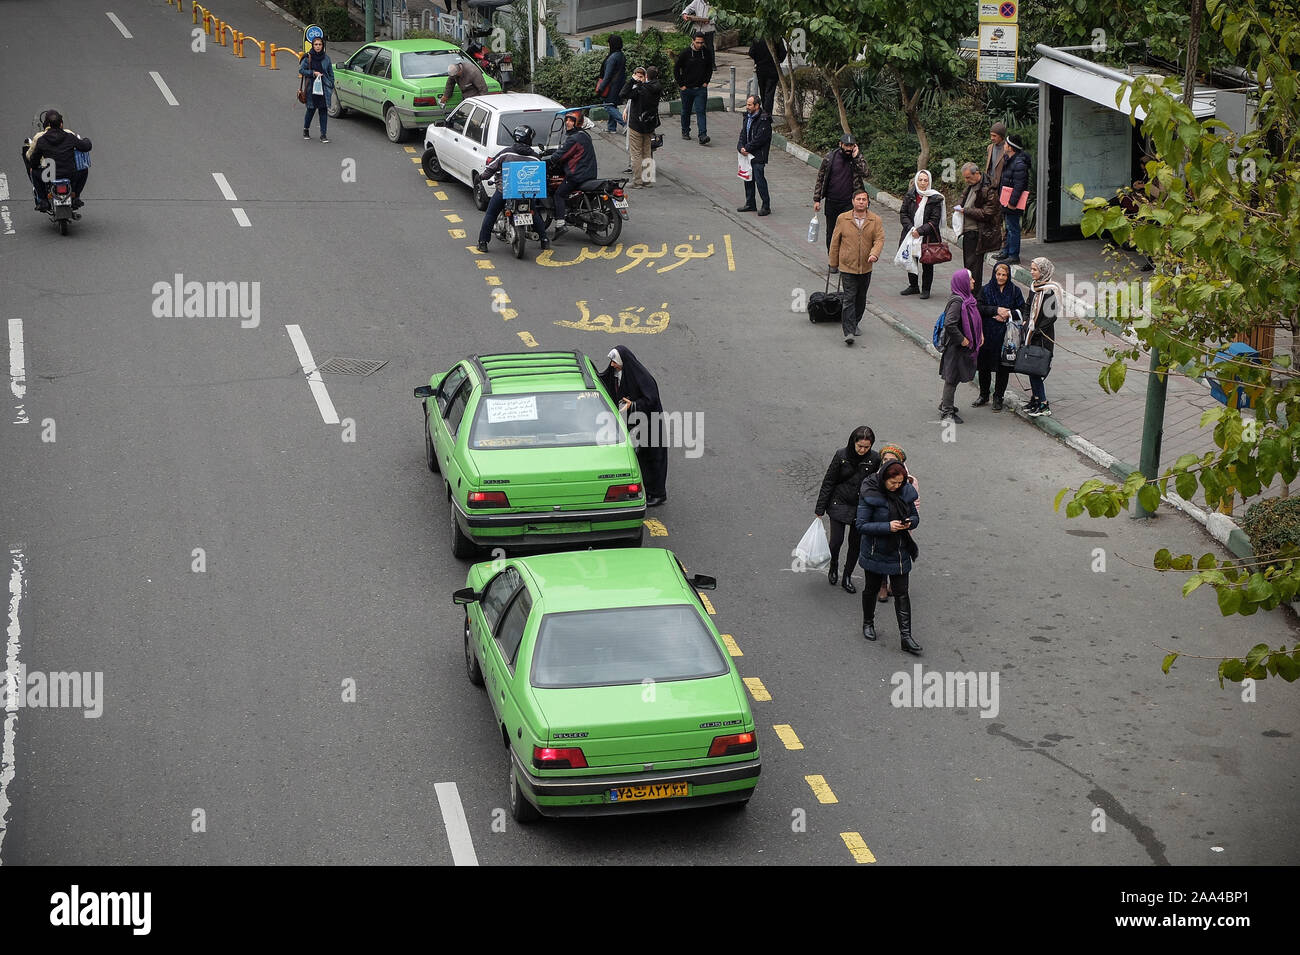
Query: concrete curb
(284, 14)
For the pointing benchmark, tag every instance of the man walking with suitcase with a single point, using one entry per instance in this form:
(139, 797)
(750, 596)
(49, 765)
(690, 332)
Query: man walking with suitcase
(856, 244)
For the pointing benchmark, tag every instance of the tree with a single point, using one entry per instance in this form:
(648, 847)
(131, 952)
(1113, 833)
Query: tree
(1223, 226)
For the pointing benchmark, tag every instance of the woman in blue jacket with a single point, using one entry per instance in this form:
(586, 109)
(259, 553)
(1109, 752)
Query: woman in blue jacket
(886, 515)
(613, 70)
(315, 65)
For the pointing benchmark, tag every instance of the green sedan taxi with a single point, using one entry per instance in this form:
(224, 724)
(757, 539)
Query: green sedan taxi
(611, 688)
(399, 81)
(532, 452)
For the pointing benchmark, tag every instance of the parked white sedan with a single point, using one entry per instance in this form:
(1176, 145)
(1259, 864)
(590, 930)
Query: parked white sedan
(462, 145)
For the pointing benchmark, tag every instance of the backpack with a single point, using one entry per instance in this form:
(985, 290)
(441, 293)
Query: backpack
(937, 335)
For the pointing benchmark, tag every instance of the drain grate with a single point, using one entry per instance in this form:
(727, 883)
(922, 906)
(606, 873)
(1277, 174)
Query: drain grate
(351, 366)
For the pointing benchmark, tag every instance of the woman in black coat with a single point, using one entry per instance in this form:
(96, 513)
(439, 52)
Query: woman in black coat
(634, 390)
(922, 212)
(1045, 303)
(849, 467)
(998, 302)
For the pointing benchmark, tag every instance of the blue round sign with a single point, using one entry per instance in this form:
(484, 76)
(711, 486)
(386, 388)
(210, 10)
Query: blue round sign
(314, 33)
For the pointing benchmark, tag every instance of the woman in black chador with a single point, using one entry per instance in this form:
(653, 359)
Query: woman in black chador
(636, 393)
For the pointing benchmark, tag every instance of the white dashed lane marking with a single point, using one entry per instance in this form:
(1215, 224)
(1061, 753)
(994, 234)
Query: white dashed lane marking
(166, 92)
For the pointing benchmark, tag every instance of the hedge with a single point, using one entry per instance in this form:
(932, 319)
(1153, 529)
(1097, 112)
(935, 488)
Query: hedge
(1272, 526)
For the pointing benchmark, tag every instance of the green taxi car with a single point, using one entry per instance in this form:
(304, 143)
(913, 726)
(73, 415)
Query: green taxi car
(611, 689)
(532, 453)
(399, 81)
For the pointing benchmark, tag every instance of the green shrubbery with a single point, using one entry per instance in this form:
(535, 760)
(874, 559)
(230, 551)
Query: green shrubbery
(1272, 526)
(330, 17)
(571, 81)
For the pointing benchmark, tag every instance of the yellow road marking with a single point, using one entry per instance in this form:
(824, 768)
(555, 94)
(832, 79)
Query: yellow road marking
(856, 846)
(731, 259)
(527, 339)
(785, 732)
(508, 313)
(732, 648)
(440, 196)
(409, 149)
(416, 160)
(820, 789)
(483, 263)
(501, 298)
(431, 182)
(656, 528)
(456, 233)
(452, 217)
(708, 604)
(759, 692)
(492, 280)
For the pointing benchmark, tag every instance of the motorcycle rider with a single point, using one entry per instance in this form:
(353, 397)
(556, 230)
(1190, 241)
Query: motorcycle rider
(521, 150)
(57, 146)
(577, 157)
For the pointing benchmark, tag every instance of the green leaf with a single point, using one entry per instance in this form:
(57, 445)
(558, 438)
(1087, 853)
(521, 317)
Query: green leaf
(1233, 670)
(1258, 590)
(1116, 374)
(1073, 509)
(1162, 559)
(1149, 497)
(1076, 190)
(1191, 584)
(1056, 505)
(1181, 562)
(1258, 652)
(1134, 481)
(1287, 668)
(1229, 602)
(1185, 484)
(1188, 460)
(1168, 662)
(1207, 562)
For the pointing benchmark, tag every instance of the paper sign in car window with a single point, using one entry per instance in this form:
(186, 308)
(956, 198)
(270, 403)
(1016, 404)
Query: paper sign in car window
(512, 409)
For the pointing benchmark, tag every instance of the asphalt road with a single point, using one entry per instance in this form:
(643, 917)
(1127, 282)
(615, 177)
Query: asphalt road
(225, 736)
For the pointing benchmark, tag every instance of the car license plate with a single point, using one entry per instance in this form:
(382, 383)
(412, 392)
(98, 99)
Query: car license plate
(657, 791)
(523, 218)
(620, 203)
(570, 528)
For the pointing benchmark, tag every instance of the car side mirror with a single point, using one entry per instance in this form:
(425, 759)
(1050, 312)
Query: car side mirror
(425, 391)
(466, 595)
(701, 582)
(441, 123)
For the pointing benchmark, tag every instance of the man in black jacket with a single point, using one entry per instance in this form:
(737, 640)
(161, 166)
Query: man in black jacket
(755, 138)
(642, 94)
(577, 158)
(51, 155)
(521, 150)
(842, 173)
(693, 70)
(766, 70)
(1015, 175)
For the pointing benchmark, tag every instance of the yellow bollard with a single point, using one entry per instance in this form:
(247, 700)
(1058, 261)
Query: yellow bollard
(237, 46)
(195, 10)
(282, 49)
(244, 37)
(220, 31)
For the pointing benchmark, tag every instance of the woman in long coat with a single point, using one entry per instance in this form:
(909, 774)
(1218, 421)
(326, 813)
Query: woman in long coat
(886, 516)
(963, 332)
(849, 467)
(634, 391)
(998, 303)
(922, 215)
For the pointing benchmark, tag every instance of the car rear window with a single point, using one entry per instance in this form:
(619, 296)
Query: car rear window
(419, 66)
(558, 419)
(624, 646)
(539, 121)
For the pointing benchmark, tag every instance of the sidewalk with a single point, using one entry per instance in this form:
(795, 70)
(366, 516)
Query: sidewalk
(1107, 428)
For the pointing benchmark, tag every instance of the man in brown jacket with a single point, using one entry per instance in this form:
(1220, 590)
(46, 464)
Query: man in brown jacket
(855, 247)
(981, 229)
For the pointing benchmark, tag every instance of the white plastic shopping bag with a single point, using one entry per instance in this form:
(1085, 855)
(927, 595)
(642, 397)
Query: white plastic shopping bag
(813, 549)
(958, 220)
(908, 255)
(745, 171)
(318, 88)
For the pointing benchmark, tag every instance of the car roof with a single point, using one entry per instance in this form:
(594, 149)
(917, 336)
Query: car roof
(414, 46)
(519, 102)
(607, 578)
(512, 373)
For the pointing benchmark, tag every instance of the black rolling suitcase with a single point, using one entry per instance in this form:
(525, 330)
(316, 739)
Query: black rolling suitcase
(830, 306)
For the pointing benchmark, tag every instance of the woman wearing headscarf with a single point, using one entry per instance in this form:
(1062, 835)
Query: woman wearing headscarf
(892, 452)
(921, 214)
(1045, 298)
(613, 69)
(849, 467)
(963, 333)
(886, 516)
(998, 301)
(634, 390)
(315, 67)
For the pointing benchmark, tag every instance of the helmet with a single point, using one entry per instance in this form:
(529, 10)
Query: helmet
(523, 135)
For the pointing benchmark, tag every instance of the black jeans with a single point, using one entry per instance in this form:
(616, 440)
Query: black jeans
(855, 545)
(767, 92)
(999, 383)
(973, 259)
(759, 183)
(833, 209)
(927, 277)
(857, 283)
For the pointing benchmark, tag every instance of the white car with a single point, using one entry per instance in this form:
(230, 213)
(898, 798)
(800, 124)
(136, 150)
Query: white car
(462, 145)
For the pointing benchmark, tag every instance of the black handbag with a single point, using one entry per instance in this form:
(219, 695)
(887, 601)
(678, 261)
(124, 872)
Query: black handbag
(1033, 360)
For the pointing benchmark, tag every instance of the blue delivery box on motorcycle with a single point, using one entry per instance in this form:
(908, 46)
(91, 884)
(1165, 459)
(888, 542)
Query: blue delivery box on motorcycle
(523, 180)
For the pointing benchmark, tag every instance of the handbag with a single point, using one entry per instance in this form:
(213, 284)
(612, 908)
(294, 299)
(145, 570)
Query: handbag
(302, 89)
(932, 252)
(1034, 360)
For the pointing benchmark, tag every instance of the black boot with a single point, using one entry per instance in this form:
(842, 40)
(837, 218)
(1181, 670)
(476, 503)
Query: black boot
(847, 580)
(903, 610)
(832, 575)
(868, 614)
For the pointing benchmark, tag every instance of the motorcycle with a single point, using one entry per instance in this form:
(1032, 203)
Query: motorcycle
(599, 207)
(499, 66)
(516, 225)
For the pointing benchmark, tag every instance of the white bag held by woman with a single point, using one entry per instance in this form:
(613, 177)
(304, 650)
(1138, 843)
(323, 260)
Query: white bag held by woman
(908, 255)
(813, 549)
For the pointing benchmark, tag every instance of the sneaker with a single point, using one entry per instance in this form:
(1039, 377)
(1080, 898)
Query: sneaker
(848, 339)
(1032, 408)
(1044, 410)
(324, 139)
(560, 229)
(306, 134)
(704, 140)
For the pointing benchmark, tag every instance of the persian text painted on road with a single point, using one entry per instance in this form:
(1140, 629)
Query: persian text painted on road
(640, 253)
(629, 320)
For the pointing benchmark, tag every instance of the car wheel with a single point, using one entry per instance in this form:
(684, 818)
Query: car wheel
(521, 809)
(472, 669)
(481, 198)
(462, 547)
(336, 109)
(430, 452)
(608, 233)
(393, 125)
(432, 168)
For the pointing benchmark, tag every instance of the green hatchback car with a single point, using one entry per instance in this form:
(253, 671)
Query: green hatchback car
(611, 688)
(532, 453)
(399, 81)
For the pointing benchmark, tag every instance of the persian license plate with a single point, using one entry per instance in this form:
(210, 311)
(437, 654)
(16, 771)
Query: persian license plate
(523, 218)
(656, 791)
(568, 528)
(620, 203)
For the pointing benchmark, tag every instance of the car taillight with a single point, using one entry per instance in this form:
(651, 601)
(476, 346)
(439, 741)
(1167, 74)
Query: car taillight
(544, 757)
(733, 745)
(622, 492)
(488, 499)
(425, 101)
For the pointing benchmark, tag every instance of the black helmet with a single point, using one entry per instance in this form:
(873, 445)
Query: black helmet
(523, 135)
